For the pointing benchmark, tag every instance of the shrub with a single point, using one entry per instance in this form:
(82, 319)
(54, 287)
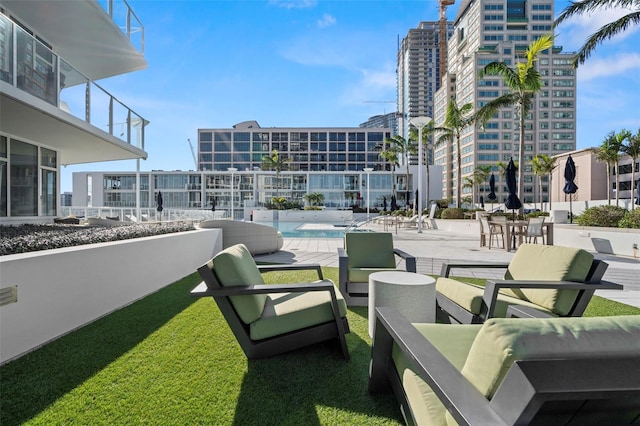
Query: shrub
(606, 216)
(452, 213)
(631, 219)
(536, 214)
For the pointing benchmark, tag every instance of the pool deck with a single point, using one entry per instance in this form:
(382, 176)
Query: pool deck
(433, 247)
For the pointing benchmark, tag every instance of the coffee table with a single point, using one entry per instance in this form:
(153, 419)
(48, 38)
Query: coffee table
(413, 295)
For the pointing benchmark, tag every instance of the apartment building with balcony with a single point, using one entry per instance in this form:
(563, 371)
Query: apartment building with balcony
(53, 111)
(501, 30)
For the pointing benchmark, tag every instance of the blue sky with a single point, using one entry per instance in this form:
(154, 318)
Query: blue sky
(305, 63)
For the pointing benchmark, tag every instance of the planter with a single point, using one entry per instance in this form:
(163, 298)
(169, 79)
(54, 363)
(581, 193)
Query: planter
(61, 290)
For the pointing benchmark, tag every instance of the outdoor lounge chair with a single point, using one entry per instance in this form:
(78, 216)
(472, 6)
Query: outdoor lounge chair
(271, 319)
(540, 281)
(363, 254)
(569, 371)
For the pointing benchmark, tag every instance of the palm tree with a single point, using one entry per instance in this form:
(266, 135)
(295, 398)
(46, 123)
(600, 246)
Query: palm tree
(524, 82)
(470, 182)
(480, 174)
(404, 148)
(456, 120)
(607, 31)
(314, 198)
(609, 153)
(277, 163)
(632, 149)
(544, 165)
(620, 137)
(390, 155)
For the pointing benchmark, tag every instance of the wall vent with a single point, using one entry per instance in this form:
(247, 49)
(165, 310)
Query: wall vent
(8, 295)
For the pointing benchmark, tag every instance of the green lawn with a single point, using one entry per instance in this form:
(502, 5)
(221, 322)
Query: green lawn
(171, 359)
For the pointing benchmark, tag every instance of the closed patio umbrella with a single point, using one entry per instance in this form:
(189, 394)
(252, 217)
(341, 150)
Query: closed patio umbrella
(482, 201)
(638, 192)
(213, 204)
(570, 187)
(159, 201)
(512, 201)
(384, 203)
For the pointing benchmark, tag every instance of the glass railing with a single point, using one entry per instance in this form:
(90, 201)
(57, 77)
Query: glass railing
(35, 69)
(126, 19)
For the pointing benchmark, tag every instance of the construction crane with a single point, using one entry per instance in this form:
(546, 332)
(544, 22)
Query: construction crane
(193, 154)
(442, 22)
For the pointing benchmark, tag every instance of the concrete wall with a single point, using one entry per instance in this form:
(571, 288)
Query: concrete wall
(63, 289)
(623, 242)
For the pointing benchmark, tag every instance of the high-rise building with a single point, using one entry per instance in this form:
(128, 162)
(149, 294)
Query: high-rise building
(52, 112)
(387, 120)
(487, 31)
(419, 75)
(306, 149)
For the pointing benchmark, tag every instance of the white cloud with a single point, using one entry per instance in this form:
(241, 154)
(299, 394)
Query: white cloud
(605, 67)
(326, 21)
(293, 4)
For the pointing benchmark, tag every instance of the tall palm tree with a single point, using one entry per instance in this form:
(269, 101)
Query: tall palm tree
(524, 82)
(404, 147)
(544, 165)
(470, 182)
(607, 31)
(632, 149)
(609, 153)
(275, 162)
(390, 155)
(456, 120)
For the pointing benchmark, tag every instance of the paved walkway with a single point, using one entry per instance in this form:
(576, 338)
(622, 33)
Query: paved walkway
(433, 247)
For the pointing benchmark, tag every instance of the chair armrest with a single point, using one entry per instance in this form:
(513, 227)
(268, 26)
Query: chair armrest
(447, 267)
(298, 267)
(343, 269)
(462, 399)
(409, 260)
(202, 290)
(492, 287)
(517, 311)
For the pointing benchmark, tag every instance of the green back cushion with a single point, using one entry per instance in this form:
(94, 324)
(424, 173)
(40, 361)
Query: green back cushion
(234, 266)
(549, 263)
(502, 341)
(370, 249)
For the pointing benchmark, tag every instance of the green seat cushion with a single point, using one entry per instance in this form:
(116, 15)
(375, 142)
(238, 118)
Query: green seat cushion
(549, 263)
(370, 249)
(361, 275)
(469, 297)
(454, 342)
(286, 312)
(501, 341)
(234, 266)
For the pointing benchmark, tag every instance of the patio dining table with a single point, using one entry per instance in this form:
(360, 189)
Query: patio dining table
(510, 228)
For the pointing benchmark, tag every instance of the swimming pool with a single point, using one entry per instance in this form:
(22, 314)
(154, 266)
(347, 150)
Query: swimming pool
(308, 230)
